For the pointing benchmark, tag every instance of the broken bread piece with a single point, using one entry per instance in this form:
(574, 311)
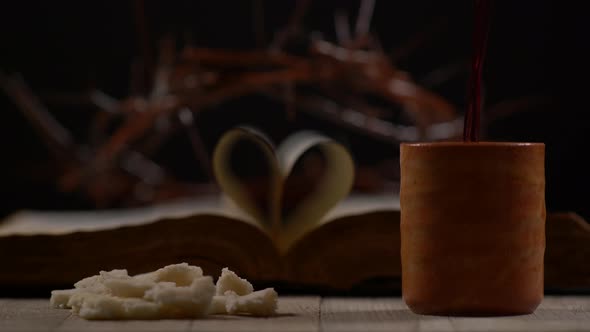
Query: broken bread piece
(163, 300)
(183, 301)
(174, 291)
(235, 295)
(229, 281)
(259, 303)
(60, 298)
(100, 306)
(181, 274)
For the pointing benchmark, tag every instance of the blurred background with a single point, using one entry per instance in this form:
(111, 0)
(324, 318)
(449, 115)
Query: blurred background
(120, 103)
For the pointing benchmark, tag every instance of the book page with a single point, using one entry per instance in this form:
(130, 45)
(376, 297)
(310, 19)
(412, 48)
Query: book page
(329, 187)
(247, 170)
(64, 222)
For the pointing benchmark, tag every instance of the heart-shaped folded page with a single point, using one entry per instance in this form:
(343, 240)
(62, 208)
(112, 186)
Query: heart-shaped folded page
(288, 189)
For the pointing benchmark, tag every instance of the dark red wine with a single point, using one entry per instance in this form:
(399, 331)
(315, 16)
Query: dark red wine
(480, 41)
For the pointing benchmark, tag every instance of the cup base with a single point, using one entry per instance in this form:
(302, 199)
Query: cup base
(483, 310)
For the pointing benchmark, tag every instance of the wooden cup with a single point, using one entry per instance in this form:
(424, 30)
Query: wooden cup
(472, 227)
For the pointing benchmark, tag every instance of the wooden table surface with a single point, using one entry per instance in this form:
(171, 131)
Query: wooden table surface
(310, 314)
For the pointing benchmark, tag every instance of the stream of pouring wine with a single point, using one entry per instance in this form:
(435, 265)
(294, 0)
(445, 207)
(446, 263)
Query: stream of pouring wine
(480, 40)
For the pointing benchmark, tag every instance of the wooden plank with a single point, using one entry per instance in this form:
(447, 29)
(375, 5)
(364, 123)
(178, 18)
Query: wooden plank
(310, 314)
(75, 323)
(294, 314)
(366, 314)
(29, 315)
(554, 314)
(376, 314)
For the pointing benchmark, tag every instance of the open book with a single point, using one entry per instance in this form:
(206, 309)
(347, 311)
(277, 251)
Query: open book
(283, 221)
(285, 215)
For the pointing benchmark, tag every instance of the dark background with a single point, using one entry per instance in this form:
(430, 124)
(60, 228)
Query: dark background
(536, 56)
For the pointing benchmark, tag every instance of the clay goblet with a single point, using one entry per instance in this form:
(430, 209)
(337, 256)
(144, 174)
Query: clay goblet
(472, 227)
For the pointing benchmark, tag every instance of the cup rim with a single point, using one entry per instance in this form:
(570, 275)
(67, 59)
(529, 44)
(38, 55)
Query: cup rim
(472, 144)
